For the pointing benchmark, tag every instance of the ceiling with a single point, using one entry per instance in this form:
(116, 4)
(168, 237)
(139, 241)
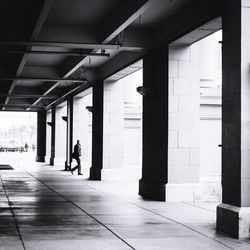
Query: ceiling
(50, 49)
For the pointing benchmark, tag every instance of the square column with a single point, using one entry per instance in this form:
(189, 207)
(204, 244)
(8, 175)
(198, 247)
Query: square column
(233, 215)
(53, 135)
(69, 131)
(155, 125)
(41, 136)
(97, 132)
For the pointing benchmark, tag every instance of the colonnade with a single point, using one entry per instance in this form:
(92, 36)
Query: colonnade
(233, 214)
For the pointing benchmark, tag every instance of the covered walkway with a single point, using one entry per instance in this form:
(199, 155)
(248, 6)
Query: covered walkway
(46, 208)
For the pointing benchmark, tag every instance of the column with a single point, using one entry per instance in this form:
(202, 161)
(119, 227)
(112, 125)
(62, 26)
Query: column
(53, 135)
(233, 214)
(41, 136)
(97, 131)
(155, 125)
(69, 136)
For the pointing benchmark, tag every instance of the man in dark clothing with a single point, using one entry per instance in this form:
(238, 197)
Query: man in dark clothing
(76, 155)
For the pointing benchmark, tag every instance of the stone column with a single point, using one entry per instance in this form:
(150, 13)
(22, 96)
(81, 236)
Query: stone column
(97, 132)
(155, 125)
(41, 136)
(233, 215)
(69, 131)
(53, 135)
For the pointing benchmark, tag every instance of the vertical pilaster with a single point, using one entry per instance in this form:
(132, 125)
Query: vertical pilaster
(41, 136)
(155, 125)
(69, 132)
(97, 132)
(53, 135)
(233, 215)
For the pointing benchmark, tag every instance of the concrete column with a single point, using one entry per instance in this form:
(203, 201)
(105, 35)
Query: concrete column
(69, 131)
(97, 132)
(155, 125)
(233, 215)
(41, 136)
(53, 136)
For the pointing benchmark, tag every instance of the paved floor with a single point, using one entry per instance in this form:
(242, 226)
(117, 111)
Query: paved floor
(42, 207)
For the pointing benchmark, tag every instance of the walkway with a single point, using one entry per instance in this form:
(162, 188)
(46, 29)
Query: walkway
(44, 208)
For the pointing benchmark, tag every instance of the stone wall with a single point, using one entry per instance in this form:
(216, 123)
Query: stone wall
(60, 151)
(82, 121)
(48, 138)
(184, 118)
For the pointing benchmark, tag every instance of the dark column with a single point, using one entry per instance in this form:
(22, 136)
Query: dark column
(155, 125)
(233, 215)
(41, 136)
(69, 131)
(53, 135)
(97, 132)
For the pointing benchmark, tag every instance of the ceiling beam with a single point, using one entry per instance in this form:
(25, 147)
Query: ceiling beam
(73, 92)
(41, 79)
(123, 17)
(19, 96)
(17, 105)
(59, 53)
(114, 65)
(67, 45)
(35, 33)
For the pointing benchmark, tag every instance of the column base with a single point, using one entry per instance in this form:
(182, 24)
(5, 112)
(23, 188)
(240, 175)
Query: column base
(233, 220)
(152, 191)
(95, 174)
(51, 161)
(40, 158)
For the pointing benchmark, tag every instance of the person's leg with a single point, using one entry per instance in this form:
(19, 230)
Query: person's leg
(74, 168)
(79, 165)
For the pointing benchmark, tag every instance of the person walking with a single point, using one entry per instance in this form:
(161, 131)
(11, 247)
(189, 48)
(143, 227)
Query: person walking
(76, 155)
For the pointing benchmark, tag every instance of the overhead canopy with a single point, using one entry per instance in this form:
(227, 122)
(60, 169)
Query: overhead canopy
(53, 48)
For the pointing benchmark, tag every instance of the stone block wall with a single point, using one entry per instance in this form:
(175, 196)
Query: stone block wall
(48, 138)
(82, 122)
(60, 150)
(113, 127)
(184, 115)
